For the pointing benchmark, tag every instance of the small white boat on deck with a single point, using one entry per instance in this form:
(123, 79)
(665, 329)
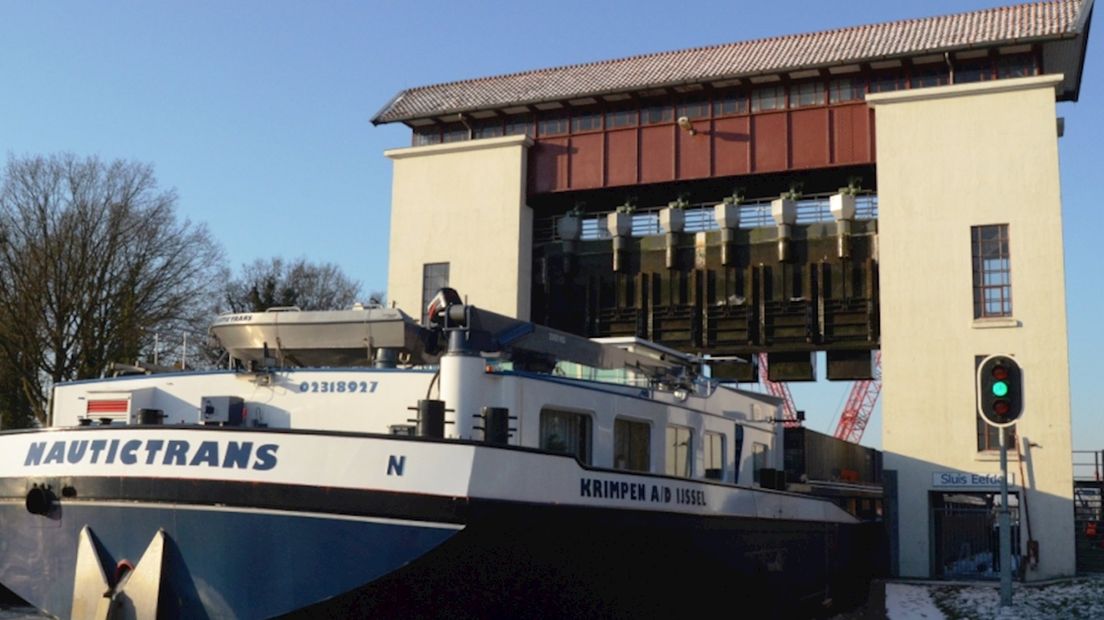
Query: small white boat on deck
(288, 336)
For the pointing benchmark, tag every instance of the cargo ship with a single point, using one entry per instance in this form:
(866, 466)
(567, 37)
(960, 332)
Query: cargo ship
(358, 462)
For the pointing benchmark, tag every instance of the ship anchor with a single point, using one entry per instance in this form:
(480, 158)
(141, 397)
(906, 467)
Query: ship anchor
(133, 597)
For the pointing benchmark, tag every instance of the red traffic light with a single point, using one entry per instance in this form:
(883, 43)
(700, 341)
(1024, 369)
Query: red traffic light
(1000, 373)
(1002, 407)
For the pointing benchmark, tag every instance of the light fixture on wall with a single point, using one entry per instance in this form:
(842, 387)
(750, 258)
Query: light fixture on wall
(685, 123)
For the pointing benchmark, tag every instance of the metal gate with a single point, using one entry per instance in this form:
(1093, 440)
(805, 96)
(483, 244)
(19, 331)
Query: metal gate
(1088, 512)
(1088, 526)
(967, 537)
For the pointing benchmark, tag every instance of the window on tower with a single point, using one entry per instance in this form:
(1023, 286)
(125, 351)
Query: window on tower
(992, 271)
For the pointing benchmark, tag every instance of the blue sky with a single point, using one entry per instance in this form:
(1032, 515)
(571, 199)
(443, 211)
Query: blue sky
(257, 112)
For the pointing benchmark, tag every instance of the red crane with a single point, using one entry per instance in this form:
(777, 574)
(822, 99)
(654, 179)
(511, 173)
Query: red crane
(779, 390)
(860, 404)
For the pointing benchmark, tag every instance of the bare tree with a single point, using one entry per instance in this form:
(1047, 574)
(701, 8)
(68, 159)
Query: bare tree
(93, 262)
(265, 284)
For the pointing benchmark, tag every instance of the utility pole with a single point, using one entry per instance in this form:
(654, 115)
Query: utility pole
(1004, 519)
(1000, 404)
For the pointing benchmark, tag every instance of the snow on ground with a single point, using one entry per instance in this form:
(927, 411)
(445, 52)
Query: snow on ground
(1082, 597)
(910, 602)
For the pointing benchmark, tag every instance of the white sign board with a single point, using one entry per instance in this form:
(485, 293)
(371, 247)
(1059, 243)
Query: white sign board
(966, 480)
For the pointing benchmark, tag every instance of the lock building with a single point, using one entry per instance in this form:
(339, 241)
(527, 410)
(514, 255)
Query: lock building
(887, 190)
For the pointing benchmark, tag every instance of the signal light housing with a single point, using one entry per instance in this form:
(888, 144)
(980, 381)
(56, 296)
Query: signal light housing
(1000, 390)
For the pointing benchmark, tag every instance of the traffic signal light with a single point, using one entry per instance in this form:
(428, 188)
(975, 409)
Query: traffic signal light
(1000, 390)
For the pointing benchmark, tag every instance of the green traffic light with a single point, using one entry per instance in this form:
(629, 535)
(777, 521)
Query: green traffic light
(1000, 388)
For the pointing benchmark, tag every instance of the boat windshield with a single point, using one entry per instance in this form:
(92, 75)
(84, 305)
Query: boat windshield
(573, 370)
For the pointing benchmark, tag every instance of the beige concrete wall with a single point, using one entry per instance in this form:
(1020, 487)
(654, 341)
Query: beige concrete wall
(462, 203)
(950, 158)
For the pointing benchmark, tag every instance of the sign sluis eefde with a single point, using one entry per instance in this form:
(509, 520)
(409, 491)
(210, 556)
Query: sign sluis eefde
(968, 480)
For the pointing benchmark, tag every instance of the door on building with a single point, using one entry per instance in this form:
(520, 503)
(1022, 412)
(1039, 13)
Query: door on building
(966, 535)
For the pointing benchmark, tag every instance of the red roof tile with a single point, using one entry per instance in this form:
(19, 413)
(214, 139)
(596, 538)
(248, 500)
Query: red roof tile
(1026, 22)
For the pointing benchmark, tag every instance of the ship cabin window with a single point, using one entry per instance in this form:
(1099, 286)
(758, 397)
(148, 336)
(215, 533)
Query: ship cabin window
(680, 449)
(759, 458)
(739, 441)
(632, 443)
(714, 446)
(567, 432)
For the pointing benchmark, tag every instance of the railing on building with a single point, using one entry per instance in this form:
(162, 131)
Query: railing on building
(1088, 478)
(1088, 465)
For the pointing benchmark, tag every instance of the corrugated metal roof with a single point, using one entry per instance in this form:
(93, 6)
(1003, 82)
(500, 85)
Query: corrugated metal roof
(1037, 21)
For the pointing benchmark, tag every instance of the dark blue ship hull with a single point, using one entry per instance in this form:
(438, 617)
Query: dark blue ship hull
(219, 563)
(518, 561)
(244, 550)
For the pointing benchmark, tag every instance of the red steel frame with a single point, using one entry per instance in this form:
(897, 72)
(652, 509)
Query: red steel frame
(860, 405)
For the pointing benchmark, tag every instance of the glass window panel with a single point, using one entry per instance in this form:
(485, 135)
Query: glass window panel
(735, 103)
(519, 125)
(846, 89)
(632, 445)
(738, 441)
(887, 82)
(656, 114)
(489, 129)
(758, 458)
(586, 122)
(973, 71)
(679, 451)
(694, 109)
(552, 126)
(620, 118)
(1019, 65)
(930, 75)
(435, 276)
(456, 133)
(427, 135)
(567, 432)
(992, 271)
(714, 448)
(807, 94)
(768, 98)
